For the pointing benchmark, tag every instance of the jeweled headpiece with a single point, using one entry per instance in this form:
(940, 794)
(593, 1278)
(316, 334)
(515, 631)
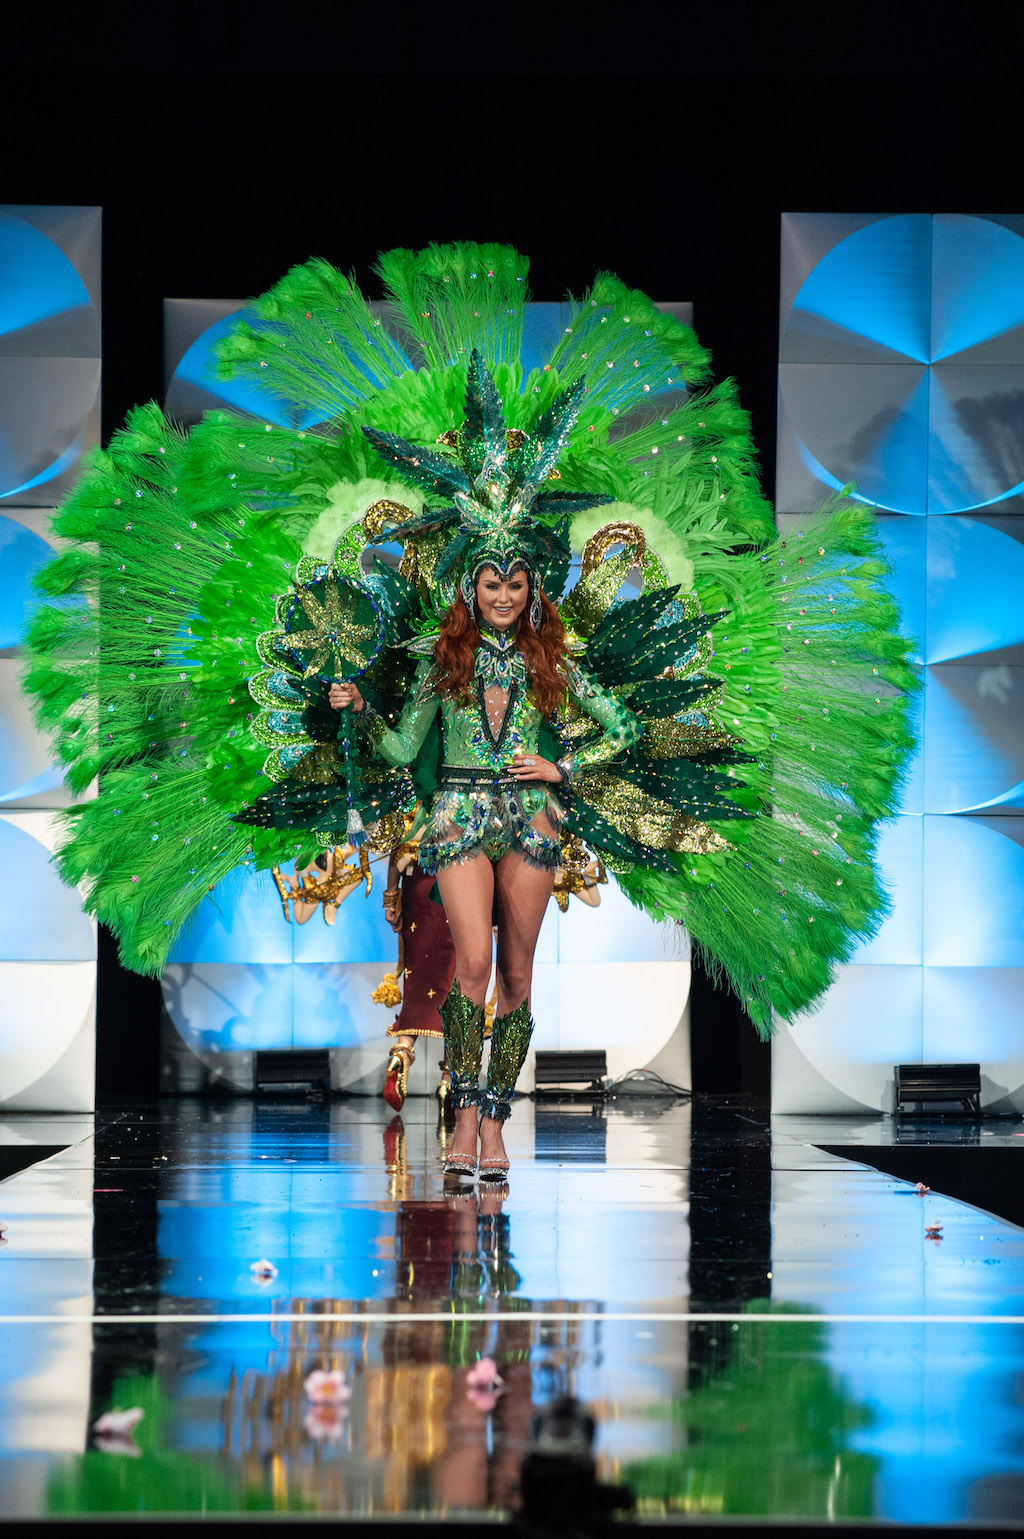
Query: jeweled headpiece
(493, 477)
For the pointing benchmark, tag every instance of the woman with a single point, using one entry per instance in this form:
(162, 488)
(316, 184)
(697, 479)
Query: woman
(499, 670)
(770, 750)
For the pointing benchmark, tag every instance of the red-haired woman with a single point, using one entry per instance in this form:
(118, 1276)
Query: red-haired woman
(499, 670)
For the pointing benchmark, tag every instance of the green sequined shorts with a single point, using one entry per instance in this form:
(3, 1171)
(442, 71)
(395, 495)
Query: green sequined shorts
(482, 814)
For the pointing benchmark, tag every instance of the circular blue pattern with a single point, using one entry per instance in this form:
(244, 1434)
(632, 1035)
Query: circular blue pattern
(49, 366)
(22, 553)
(931, 309)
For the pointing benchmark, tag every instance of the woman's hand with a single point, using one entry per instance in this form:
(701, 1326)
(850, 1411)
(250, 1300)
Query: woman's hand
(343, 695)
(533, 767)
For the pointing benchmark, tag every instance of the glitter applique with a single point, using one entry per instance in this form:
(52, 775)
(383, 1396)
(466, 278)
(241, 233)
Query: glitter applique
(510, 1041)
(463, 1045)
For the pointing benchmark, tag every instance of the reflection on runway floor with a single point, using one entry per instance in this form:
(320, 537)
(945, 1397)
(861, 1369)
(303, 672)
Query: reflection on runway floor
(759, 1327)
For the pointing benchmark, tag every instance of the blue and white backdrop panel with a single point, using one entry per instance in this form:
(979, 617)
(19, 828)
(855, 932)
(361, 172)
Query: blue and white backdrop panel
(49, 348)
(901, 369)
(49, 416)
(244, 979)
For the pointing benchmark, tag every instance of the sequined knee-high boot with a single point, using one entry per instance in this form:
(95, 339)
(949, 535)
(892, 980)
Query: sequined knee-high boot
(464, 1049)
(510, 1040)
(463, 1046)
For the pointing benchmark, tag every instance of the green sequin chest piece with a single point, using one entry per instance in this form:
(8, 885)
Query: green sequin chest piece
(469, 741)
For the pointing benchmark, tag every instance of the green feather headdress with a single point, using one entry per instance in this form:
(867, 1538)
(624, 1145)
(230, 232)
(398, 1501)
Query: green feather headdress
(500, 516)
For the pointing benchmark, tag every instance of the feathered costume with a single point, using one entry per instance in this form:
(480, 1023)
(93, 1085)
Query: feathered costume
(751, 702)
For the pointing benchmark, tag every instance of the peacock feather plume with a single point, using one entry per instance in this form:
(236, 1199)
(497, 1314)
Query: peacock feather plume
(181, 674)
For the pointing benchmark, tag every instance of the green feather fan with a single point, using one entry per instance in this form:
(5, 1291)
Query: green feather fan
(772, 687)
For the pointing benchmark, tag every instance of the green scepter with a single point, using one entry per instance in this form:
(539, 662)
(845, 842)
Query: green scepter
(337, 630)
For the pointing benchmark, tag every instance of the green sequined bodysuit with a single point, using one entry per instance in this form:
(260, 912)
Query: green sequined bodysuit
(479, 806)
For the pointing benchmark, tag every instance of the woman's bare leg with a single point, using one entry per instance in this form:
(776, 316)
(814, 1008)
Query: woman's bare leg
(467, 892)
(522, 891)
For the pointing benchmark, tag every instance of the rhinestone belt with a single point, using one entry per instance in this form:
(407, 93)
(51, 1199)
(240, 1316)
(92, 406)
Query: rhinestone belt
(475, 780)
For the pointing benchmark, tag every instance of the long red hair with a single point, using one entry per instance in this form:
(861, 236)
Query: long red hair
(543, 649)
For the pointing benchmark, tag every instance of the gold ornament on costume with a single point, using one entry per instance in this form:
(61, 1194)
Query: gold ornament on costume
(331, 636)
(579, 875)
(387, 991)
(602, 574)
(325, 887)
(419, 557)
(379, 514)
(321, 766)
(382, 836)
(514, 439)
(597, 547)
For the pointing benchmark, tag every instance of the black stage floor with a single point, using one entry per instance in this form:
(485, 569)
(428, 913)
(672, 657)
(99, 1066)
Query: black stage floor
(762, 1328)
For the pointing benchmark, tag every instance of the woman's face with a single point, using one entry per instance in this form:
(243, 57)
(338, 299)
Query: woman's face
(501, 600)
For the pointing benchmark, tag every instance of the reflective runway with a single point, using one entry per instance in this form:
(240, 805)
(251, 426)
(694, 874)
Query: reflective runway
(309, 1322)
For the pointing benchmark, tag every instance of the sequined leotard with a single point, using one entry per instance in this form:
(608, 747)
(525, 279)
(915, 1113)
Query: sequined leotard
(480, 807)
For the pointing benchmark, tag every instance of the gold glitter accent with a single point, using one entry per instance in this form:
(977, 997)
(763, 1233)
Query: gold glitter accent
(320, 767)
(578, 875)
(382, 836)
(648, 819)
(451, 439)
(420, 558)
(701, 839)
(591, 598)
(576, 724)
(331, 631)
(381, 513)
(602, 575)
(597, 547)
(666, 738)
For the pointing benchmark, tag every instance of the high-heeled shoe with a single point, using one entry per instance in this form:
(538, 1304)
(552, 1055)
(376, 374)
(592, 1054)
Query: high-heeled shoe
(494, 1168)
(460, 1165)
(445, 1109)
(396, 1075)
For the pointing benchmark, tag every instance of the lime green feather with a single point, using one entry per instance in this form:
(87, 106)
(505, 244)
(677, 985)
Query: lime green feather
(177, 547)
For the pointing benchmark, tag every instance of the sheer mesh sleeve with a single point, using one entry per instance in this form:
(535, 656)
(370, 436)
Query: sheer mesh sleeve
(620, 728)
(401, 743)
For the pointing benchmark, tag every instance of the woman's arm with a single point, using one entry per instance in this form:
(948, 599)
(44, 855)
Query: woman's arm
(621, 728)
(399, 744)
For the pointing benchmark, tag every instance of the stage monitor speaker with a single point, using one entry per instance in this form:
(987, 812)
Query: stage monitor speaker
(292, 1069)
(563, 1076)
(934, 1085)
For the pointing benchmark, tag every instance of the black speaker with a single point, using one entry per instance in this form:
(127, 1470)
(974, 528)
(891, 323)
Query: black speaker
(563, 1076)
(298, 1068)
(930, 1085)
